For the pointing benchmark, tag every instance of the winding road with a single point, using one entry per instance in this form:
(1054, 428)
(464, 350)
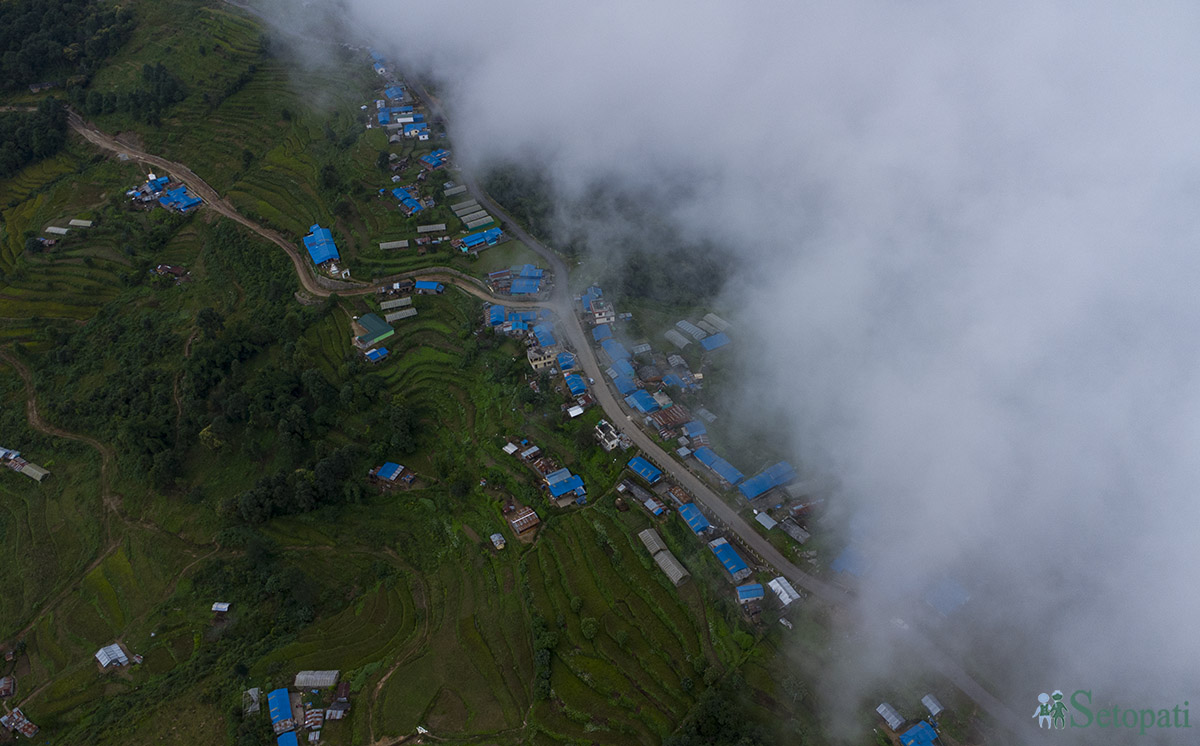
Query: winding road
(570, 325)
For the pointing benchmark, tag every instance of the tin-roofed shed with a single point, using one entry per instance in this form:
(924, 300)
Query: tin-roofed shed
(654, 543)
(674, 571)
(316, 679)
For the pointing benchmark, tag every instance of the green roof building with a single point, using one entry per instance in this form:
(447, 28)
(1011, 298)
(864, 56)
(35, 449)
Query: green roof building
(376, 329)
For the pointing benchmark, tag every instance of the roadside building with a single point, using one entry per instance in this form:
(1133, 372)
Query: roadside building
(602, 312)
(179, 199)
(575, 384)
(766, 521)
(615, 350)
(566, 361)
(601, 332)
(694, 518)
(729, 559)
(784, 590)
(319, 243)
(429, 287)
(644, 469)
(792, 529)
(749, 592)
(642, 401)
(770, 478)
(719, 466)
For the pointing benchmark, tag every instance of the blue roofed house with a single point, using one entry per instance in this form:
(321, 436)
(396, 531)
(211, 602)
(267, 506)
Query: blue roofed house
(496, 315)
(750, 592)
(384, 117)
(279, 707)
(566, 361)
(287, 739)
(545, 335)
(602, 332)
(921, 734)
(645, 469)
(419, 130)
(625, 385)
(319, 243)
(525, 286)
(395, 92)
(180, 199)
(642, 401)
(694, 429)
(694, 518)
(429, 287)
(154, 186)
(563, 483)
(624, 368)
(729, 559)
(718, 465)
(576, 384)
(377, 354)
(714, 342)
(615, 350)
(770, 478)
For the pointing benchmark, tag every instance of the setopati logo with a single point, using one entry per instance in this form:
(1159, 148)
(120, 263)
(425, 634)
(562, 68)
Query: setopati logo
(1053, 713)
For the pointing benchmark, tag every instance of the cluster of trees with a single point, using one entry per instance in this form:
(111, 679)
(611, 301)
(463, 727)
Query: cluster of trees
(525, 194)
(41, 40)
(300, 491)
(721, 718)
(147, 103)
(544, 642)
(26, 137)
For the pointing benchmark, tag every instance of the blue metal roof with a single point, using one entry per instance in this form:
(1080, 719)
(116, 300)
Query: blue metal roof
(771, 477)
(377, 354)
(572, 484)
(394, 92)
(673, 379)
(576, 384)
(319, 243)
(278, 705)
(440, 153)
(555, 477)
(615, 350)
(921, 734)
(545, 336)
(694, 428)
(429, 285)
(287, 739)
(625, 385)
(526, 270)
(850, 560)
(432, 161)
(750, 591)
(947, 596)
(603, 331)
(522, 315)
(623, 368)
(566, 361)
(723, 468)
(157, 185)
(180, 199)
(715, 341)
(496, 315)
(728, 557)
(415, 127)
(645, 469)
(525, 286)
(642, 401)
(694, 518)
(384, 117)
(388, 471)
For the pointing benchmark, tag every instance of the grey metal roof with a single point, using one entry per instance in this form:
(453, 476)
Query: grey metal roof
(388, 305)
(669, 565)
(654, 543)
(677, 339)
(315, 679)
(407, 313)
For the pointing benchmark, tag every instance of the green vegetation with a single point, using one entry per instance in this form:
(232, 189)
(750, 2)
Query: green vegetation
(42, 41)
(26, 137)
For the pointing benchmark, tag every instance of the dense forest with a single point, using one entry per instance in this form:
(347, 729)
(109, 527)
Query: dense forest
(26, 137)
(47, 40)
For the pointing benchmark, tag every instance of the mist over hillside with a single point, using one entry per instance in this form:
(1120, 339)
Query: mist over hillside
(965, 267)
